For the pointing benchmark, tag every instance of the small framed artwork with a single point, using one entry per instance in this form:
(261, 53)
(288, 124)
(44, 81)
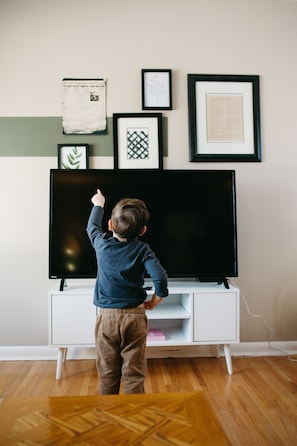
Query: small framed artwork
(73, 156)
(224, 118)
(138, 141)
(84, 106)
(156, 89)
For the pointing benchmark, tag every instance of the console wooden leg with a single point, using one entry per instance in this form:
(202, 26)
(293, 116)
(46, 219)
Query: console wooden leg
(65, 354)
(228, 358)
(60, 360)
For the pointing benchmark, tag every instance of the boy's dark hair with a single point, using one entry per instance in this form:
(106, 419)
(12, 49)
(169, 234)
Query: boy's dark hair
(128, 218)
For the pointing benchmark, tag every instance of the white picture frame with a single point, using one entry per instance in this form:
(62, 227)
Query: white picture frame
(137, 140)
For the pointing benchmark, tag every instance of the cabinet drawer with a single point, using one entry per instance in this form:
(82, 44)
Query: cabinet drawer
(216, 317)
(72, 320)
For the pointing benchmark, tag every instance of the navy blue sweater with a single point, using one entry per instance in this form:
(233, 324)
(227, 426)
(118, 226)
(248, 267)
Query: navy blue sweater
(122, 267)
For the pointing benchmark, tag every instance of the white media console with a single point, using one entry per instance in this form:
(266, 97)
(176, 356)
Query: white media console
(193, 314)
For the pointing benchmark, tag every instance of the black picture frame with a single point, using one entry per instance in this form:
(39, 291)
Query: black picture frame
(224, 118)
(156, 89)
(138, 141)
(73, 156)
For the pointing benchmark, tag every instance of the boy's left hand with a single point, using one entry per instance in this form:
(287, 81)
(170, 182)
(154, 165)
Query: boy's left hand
(150, 304)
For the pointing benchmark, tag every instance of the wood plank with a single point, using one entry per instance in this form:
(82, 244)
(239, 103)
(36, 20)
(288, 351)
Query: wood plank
(156, 419)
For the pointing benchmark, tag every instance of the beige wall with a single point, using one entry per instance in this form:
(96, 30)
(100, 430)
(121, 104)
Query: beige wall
(43, 41)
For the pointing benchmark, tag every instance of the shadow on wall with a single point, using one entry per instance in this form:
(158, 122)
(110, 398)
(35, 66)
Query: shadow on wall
(285, 308)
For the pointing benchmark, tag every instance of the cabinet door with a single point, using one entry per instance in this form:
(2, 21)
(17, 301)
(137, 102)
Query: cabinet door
(216, 317)
(72, 320)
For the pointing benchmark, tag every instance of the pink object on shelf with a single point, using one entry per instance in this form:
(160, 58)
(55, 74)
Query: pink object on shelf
(155, 334)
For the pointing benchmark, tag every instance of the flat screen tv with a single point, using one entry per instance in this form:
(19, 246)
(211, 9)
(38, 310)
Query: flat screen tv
(192, 227)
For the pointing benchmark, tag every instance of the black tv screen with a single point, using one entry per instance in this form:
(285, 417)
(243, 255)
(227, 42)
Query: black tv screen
(192, 227)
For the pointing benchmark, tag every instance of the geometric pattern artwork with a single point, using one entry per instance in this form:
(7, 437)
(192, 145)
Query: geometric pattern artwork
(137, 143)
(178, 419)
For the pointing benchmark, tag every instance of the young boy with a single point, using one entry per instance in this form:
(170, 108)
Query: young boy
(122, 260)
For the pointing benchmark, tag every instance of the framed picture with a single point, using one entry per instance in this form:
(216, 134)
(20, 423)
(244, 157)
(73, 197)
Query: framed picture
(156, 90)
(84, 106)
(138, 141)
(224, 118)
(73, 156)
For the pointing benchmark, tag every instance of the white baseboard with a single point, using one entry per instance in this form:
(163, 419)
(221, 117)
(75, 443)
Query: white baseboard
(43, 353)
(243, 349)
(278, 348)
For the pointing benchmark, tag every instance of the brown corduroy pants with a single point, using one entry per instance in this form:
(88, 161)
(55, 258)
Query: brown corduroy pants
(120, 336)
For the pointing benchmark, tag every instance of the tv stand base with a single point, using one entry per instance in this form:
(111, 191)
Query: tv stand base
(225, 282)
(193, 315)
(218, 280)
(63, 284)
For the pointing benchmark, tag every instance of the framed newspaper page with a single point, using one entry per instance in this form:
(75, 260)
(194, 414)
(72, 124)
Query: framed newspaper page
(84, 106)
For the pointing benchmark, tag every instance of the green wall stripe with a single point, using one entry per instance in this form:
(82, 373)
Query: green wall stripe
(39, 136)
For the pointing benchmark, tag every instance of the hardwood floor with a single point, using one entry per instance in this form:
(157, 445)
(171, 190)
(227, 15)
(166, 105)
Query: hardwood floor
(257, 405)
